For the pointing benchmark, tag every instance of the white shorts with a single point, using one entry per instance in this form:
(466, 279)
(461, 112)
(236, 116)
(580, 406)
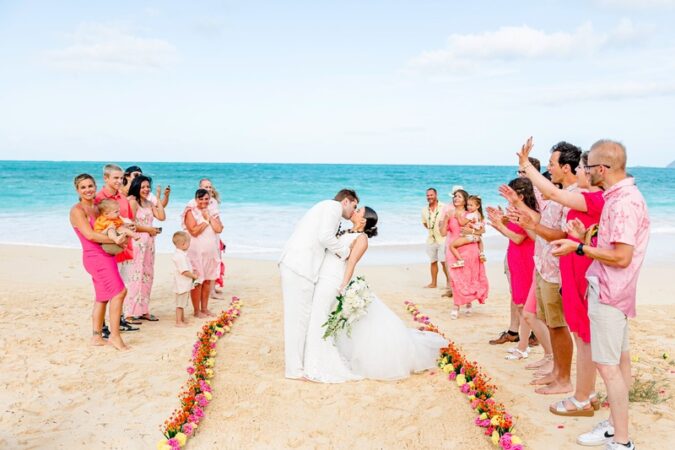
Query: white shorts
(182, 300)
(436, 252)
(609, 328)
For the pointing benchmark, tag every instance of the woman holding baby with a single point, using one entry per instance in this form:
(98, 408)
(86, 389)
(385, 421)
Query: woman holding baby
(102, 267)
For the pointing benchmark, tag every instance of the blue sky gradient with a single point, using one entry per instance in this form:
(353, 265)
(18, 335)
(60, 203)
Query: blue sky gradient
(429, 82)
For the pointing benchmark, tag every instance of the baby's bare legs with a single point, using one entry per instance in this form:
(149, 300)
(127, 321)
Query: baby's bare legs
(460, 241)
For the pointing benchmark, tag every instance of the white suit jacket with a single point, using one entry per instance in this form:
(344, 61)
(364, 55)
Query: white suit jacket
(313, 235)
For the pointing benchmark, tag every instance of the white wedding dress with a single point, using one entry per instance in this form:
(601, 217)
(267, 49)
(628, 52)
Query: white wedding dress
(380, 347)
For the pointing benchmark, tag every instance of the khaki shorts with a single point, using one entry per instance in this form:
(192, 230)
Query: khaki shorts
(182, 300)
(549, 303)
(436, 252)
(609, 328)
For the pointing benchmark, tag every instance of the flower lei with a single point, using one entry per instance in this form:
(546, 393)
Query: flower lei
(197, 392)
(476, 385)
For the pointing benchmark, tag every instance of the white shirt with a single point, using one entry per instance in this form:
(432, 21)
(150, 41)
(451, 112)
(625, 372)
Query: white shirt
(181, 263)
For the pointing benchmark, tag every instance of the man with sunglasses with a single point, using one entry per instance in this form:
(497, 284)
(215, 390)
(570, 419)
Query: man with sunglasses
(623, 234)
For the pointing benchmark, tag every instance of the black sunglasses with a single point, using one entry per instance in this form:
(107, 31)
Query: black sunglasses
(588, 168)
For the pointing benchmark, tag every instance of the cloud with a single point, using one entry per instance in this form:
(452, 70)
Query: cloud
(605, 92)
(103, 47)
(465, 52)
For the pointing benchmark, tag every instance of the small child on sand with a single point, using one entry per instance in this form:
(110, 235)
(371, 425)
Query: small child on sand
(112, 225)
(184, 277)
(473, 217)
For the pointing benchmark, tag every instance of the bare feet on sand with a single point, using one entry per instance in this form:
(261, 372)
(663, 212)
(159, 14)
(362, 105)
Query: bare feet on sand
(98, 341)
(555, 388)
(208, 313)
(200, 315)
(430, 285)
(546, 379)
(541, 363)
(118, 343)
(181, 324)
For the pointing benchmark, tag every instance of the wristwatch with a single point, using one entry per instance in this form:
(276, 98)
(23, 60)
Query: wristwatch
(580, 250)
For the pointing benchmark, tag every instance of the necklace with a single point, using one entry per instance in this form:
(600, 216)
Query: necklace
(432, 224)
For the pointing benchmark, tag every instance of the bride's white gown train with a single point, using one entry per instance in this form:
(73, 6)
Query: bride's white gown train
(380, 347)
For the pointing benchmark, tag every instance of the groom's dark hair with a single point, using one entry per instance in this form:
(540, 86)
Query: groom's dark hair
(346, 193)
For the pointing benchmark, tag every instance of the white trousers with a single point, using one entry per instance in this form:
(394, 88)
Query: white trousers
(298, 292)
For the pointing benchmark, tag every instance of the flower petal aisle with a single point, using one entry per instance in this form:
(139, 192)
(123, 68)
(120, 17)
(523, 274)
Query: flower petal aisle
(197, 394)
(475, 385)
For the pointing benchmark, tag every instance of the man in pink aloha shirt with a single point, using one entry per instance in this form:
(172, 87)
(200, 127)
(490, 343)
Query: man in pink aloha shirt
(623, 234)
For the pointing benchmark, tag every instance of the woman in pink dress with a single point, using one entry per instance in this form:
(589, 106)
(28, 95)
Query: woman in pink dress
(102, 267)
(585, 208)
(469, 282)
(519, 258)
(141, 269)
(204, 250)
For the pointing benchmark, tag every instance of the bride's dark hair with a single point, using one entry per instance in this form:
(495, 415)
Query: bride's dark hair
(370, 215)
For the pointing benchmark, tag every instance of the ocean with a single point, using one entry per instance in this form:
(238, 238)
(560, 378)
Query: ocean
(261, 202)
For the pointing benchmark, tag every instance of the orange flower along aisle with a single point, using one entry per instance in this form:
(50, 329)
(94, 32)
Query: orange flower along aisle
(472, 382)
(197, 392)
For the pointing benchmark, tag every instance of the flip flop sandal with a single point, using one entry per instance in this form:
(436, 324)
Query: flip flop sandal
(580, 410)
(150, 319)
(126, 327)
(454, 314)
(133, 321)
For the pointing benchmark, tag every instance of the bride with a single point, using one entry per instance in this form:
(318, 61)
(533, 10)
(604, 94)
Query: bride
(380, 347)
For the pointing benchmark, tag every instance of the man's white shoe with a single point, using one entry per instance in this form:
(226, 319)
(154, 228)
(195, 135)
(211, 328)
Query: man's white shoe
(600, 435)
(616, 446)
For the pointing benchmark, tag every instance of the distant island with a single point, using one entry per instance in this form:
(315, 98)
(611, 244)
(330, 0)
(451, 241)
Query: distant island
(671, 165)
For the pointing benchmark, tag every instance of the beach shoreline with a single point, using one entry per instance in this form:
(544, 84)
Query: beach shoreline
(62, 393)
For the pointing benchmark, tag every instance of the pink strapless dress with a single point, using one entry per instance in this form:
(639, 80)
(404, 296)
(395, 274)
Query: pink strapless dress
(102, 268)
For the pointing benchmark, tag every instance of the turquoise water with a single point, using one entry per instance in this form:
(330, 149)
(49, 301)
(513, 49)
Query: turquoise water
(261, 202)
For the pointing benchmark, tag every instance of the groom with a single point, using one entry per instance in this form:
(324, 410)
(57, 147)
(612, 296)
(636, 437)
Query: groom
(299, 266)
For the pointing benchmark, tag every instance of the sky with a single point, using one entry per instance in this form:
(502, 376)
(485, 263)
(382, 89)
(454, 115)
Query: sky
(351, 81)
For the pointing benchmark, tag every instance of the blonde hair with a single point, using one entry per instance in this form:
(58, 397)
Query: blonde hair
(179, 237)
(110, 168)
(107, 205)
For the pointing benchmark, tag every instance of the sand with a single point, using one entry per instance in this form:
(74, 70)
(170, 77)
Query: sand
(58, 392)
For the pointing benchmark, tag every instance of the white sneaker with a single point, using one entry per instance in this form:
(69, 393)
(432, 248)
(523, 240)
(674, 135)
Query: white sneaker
(601, 434)
(616, 446)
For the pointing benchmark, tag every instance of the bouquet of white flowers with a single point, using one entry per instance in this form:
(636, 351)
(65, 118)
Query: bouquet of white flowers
(350, 307)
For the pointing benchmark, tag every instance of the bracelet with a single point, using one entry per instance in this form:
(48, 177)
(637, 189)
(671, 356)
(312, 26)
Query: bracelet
(526, 166)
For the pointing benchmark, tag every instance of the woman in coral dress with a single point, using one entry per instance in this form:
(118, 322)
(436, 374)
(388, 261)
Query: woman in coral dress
(108, 285)
(469, 282)
(140, 270)
(204, 252)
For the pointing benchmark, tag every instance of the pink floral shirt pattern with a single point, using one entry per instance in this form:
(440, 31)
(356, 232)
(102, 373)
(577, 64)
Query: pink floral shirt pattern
(625, 220)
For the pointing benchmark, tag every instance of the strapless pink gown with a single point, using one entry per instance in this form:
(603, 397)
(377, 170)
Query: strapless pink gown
(102, 268)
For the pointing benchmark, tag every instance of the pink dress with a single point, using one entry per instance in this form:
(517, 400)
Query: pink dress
(520, 259)
(204, 251)
(102, 268)
(573, 271)
(140, 271)
(469, 283)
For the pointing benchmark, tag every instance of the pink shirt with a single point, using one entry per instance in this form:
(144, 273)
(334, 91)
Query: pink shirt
(552, 216)
(624, 220)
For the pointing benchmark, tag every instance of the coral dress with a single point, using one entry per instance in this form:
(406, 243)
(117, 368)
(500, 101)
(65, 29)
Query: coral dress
(469, 283)
(102, 268)
(140, 271)
(204, 251)
(520, 259)
(573, 271)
